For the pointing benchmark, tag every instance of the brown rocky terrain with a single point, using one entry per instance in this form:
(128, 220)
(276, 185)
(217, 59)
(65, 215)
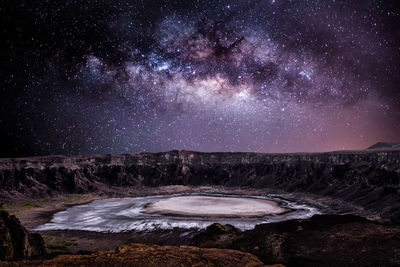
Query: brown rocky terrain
(323, 240)
(15, 242)
(152, 255)
(369, 178)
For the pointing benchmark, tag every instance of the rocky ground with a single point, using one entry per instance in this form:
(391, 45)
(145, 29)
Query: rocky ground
(323, 240)
(147, 255)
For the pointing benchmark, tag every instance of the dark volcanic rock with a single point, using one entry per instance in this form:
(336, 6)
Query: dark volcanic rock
(15, 242)
(384, 145)
(369, 178)
(217, 235)
(323, 240)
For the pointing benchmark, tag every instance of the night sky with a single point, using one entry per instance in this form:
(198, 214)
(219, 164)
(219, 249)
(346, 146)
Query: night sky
(119, 76)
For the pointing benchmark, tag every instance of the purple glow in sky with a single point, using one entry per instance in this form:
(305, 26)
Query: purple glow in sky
(264, 76)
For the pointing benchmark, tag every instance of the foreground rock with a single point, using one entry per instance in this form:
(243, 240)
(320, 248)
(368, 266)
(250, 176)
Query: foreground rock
(152, 255)
(369, 178)
(218, 236)
(323, 240)
(16, 242)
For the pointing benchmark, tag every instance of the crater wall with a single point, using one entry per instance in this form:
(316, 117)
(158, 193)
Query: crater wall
(367, 178)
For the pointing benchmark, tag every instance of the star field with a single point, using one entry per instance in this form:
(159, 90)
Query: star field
(99, 76)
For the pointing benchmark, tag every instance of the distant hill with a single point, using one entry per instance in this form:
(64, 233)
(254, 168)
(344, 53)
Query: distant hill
(385, 145)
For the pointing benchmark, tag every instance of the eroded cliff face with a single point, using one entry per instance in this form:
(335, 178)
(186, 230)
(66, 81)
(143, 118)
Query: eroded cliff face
(367, 178)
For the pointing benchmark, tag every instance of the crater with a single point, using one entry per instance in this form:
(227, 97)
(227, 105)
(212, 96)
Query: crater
(178, 211)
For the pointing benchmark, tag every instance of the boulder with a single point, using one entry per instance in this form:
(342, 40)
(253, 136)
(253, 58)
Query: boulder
(217, 235)
(16, 242)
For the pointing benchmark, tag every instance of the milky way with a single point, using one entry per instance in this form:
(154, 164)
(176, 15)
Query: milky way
(265, 76)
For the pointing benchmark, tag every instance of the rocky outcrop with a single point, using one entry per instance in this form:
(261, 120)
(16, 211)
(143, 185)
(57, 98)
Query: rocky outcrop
(16, 242)
(153, 255)
(369, 178)
(217, 235)
(323, 240)
(385, 145)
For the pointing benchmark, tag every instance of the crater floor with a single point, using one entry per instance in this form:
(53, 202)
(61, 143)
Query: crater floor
(212, 206)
